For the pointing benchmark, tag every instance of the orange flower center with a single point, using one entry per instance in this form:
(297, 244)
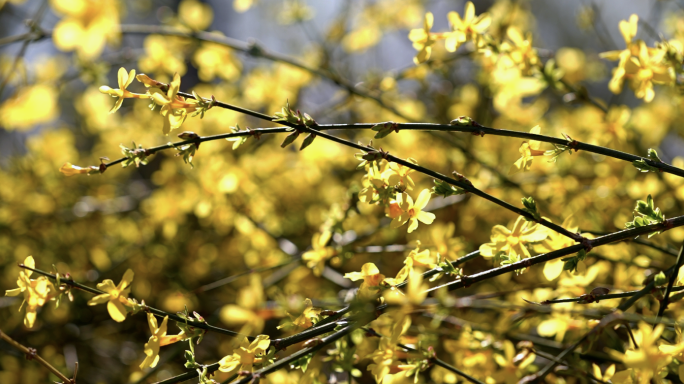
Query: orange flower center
(512, 240)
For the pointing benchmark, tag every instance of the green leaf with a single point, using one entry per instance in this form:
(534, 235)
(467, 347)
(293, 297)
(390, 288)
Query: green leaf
(445, 189)
(531, 208)
(646, 214)
(643, 166)
(307, 141)
(462, 121)
(571, 263)
(660, 279)
(289, 139)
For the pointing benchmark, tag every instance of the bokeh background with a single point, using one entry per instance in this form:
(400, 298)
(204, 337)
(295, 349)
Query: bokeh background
(185, 230)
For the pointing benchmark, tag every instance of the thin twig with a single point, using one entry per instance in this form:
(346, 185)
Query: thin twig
(673, 277)
(158, 312)
(32, 355)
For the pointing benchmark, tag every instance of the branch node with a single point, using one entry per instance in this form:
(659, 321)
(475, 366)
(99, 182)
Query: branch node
(31, 353)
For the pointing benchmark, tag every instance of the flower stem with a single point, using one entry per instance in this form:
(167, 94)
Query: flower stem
(147, 308)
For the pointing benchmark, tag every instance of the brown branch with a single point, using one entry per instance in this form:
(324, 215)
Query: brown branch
(31, 354)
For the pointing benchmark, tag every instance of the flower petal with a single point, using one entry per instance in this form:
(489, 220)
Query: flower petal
(422, 200)
(99, 299)
(116, 310)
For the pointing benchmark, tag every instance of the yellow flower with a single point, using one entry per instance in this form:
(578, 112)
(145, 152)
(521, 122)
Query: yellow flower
(152, 346)
(116, 297)
(513, 241)
(249, 309)
(628, 29)
(649, 359)
(20, 112)
(423, 258)
(399, 174)
(607, 375)
(416, 291)
(305, 319)
(555, 241)
(371, 281)
(246, 355)
(69, 169)
(384, 358)
(195, 14)
(36, 292)
(86, 27)
(511, 367)
(175, 108)
(646, 70)
(413, 212)
(467, 28)
(214, 60)
(422, 39)
(163, 55)
(528, 150)
(125, 79)
(522, 52)
(373, 182)
(315, 259)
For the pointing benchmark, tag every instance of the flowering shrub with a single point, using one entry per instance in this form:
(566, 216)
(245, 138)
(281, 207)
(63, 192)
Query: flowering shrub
(382, 226)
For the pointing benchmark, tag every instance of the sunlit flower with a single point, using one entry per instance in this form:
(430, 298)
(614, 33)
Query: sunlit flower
(646, 70)
(175, 108)
(316, 258)
(152, 346)
(86, 27)
(467, 28)
(245, 356)
(413, 213)
(307, 317)
(628, 29)
(505, 240)
(384, 358)
(553, 242)
(125, 79)
(373, 182)
(116, 297)
(512, 368)
(398, 174)
(249, 309)
(423, 40)
(648, 360)
(36, 292)
(528, 150)
(371, 280)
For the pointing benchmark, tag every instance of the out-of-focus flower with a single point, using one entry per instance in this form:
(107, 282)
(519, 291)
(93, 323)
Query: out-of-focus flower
(513, 241)
(87, 25)
(423, 40)
(316, 258)
(245, 356)
(174, 108)
(467, 28)
(195, 14)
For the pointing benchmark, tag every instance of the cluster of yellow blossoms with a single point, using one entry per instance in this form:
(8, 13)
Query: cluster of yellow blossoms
(642, 65)
(174, 108)
(36, 292)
